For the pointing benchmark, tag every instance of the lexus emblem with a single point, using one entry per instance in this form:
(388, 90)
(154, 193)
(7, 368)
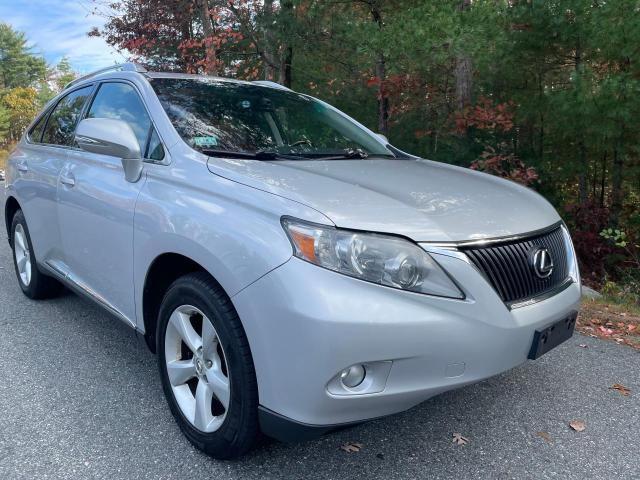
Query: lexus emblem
(541, 262)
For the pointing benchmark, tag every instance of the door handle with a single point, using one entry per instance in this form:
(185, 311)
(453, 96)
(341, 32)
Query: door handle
(68, 180)
(22, 167)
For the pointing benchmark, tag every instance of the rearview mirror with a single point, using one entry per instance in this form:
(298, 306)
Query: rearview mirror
(383, 138)
(107, 136)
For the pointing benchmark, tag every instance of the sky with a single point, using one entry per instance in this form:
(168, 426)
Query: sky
(57, 28)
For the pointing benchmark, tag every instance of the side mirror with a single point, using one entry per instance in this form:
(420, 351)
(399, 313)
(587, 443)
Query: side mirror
(383, 138)
(107, 136)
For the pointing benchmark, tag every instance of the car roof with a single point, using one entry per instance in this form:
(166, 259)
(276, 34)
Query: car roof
(192, 76)
(116, 71)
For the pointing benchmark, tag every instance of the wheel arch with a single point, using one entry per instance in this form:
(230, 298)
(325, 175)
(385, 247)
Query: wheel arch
(11, 206)
(162, 272)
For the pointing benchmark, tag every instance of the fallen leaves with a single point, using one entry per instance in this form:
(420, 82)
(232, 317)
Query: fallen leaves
(605, 331)
(458, 439)
(624, 391)
(578, 425)
(545, 436)
(583, 345)
(610, 322)
(351, 447)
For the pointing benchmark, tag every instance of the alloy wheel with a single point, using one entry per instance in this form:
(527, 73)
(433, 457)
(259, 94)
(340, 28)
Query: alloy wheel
(197, 368)
(22, 254)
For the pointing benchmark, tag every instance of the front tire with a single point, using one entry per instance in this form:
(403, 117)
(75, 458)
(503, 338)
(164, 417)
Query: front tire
(33, 283)
(206, 367)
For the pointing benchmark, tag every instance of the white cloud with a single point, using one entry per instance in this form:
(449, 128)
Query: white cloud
(58, 28)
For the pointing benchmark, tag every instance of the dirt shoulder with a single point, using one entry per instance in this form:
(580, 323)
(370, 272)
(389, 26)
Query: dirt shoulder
(610, 321)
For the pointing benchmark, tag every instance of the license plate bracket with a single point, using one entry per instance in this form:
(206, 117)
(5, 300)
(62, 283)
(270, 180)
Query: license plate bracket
(550, 337)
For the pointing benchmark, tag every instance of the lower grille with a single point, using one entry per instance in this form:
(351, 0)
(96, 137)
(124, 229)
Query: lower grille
(509, 266)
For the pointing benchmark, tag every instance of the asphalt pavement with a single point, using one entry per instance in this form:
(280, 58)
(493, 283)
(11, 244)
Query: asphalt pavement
(80, 398)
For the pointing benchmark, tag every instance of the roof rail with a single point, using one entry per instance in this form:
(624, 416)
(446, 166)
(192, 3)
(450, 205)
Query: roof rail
(120, 67)
(269, 83)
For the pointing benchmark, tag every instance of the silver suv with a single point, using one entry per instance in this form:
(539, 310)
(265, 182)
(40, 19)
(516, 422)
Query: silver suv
(293, 271)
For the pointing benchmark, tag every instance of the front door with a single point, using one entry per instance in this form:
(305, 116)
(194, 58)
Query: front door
(96, 207)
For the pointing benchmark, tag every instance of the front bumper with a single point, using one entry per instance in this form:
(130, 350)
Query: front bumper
(306, 324)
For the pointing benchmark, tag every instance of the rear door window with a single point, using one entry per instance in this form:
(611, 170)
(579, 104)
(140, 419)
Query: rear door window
(62, 122)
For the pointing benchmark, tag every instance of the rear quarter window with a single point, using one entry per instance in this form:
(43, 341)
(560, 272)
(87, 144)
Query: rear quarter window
(35, 134)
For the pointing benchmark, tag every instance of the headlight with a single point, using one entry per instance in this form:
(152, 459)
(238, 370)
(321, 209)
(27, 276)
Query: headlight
(572, 259)
(385, 260)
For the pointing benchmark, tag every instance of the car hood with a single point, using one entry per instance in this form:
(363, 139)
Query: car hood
(420, 199)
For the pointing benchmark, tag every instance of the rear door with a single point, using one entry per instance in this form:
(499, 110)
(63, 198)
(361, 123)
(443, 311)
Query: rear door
(40, 159)
(96, 206)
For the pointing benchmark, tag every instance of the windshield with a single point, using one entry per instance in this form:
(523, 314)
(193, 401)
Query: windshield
(215, 117)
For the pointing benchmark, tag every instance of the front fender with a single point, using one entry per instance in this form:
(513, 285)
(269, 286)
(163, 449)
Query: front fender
(231, 230)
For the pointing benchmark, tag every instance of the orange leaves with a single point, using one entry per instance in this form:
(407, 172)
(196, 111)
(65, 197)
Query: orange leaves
(373, 82)
(501, 162)
(624, 391)
(486, 116)
(498, 157)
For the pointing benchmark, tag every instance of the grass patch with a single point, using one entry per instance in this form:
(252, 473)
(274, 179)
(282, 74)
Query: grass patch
(625, 295)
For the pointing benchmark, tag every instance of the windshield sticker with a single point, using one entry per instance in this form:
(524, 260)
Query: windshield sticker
(205, 141)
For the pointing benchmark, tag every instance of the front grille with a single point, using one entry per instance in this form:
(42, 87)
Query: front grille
(508, 267)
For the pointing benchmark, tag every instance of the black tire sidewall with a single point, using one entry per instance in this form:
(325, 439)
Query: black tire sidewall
(18, 219)
(226, 441)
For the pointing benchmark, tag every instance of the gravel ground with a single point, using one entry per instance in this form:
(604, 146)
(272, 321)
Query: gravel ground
(80, 398)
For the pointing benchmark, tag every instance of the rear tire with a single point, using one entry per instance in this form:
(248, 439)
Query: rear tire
(213, 358)
(33, 283)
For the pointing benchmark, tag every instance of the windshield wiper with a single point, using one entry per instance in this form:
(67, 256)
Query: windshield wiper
(259, 155)
(347, 154)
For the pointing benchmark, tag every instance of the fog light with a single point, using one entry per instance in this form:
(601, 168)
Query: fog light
(353, 376)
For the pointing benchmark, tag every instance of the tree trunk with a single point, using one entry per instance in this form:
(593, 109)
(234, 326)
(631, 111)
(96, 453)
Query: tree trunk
(617, 194)
(285, 76)
(381, 75)
(269, 43)
(383, 100)
(185, 62)
(582, 151)
(211, 56)
(583, 188)
(463, 81)
(594, 182)
(463, 71)
(286, 57)
(603, 177)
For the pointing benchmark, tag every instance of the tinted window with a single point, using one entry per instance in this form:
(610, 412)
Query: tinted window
(228, 116)
(155, 150)
(36, 132)
(62, 121)
(120, 101)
